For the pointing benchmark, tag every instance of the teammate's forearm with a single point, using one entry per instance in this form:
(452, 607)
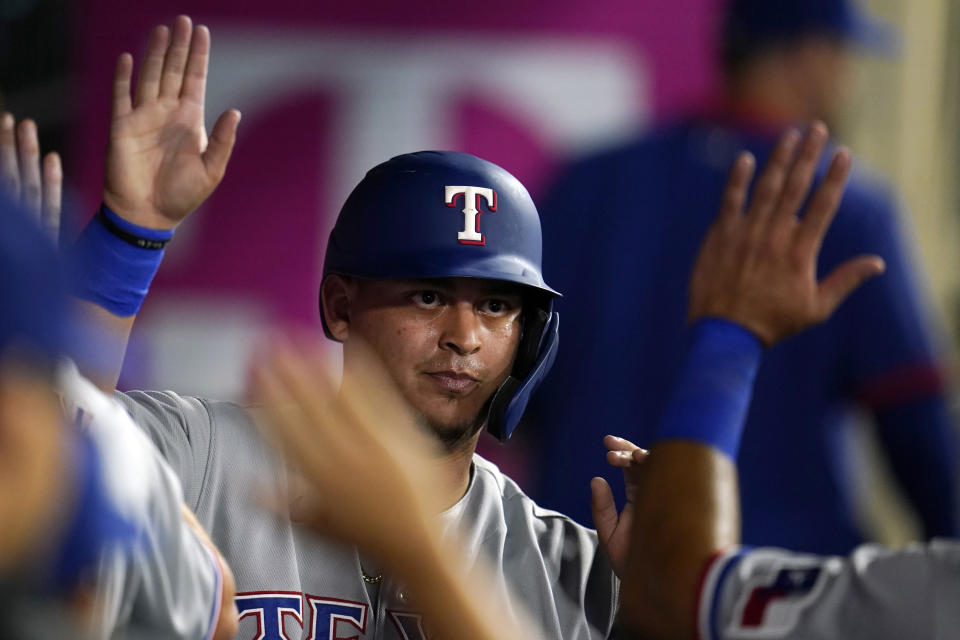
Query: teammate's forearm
(113, 264)
(686, 506)
(457, 602)
(114, 333)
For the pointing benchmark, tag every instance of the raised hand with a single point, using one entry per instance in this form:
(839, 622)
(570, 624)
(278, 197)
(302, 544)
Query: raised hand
(365, 433)
(613, 528)
(160, 164)
(37, 188)
(758, 268)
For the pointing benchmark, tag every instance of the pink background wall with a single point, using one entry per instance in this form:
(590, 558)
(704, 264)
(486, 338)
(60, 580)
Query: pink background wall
(328, 89)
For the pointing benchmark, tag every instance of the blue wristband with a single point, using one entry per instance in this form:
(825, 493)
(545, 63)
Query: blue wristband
(115, 261)
(95, 524)
(710, 401)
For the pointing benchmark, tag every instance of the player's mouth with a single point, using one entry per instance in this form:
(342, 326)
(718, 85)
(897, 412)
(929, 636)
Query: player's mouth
(453, 381)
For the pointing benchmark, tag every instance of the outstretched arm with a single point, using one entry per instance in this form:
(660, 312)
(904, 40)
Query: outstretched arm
(754, 283)
(160, 167)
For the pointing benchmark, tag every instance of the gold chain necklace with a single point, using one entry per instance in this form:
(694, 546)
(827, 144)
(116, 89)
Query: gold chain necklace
(371, 579)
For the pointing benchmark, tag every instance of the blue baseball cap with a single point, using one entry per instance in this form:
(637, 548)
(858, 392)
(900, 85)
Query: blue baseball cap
(769, 21)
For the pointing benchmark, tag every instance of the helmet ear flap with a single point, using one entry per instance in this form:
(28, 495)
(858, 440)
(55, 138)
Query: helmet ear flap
(535, 356)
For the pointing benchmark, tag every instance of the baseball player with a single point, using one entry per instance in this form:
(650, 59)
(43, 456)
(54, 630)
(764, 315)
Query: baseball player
(452, 301)
(783, 65)
(754, 284)
(90, 511)
(686, 575)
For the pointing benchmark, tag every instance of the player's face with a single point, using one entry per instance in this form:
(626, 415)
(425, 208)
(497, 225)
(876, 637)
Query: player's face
(828, 66)
(448, 344)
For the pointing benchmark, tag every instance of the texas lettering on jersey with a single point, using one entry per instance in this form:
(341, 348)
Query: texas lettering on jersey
(328, 618)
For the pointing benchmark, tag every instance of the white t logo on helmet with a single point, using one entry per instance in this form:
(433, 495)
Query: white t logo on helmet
(471, 210)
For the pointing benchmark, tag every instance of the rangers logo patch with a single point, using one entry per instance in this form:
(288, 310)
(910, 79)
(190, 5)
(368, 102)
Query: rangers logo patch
(471, 210)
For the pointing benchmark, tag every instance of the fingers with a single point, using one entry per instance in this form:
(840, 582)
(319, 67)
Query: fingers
(148, 82)
(603, 508)
(623, 453)
(28, 157)
(9, 172)
(52, 198)
(735, 193)
(195, 77)
(311, 408)
(286, 423)
(121, 85)
(38, 189)
(769, 185)
(373, 399)
(616, 443)
(843, 280)
(175, 60)
(823, 206)
(220, 146)
(801, 175)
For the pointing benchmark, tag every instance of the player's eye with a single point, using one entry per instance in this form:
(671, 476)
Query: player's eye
(426, 299)
(495, 306)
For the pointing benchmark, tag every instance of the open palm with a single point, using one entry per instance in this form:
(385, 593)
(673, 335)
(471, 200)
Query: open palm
(160, 163)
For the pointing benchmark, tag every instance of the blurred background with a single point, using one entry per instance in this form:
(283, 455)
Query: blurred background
(328, 89)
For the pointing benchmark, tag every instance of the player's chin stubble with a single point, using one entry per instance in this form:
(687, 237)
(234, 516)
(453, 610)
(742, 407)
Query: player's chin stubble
(454, 437)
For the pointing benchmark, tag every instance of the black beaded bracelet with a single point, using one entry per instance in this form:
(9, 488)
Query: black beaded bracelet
(126, 236)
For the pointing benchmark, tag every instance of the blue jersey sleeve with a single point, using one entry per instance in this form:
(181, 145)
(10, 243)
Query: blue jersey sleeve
(893, 334)
(896, 354)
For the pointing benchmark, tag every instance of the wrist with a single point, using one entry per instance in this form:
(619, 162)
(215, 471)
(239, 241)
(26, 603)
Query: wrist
(414, 545)
(115, 261)
(133, 234)
(141, 215)
(732, 317)
(712, 395)
(428, 564)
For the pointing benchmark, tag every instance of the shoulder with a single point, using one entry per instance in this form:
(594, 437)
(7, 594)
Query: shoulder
(170, 406)
(508, 517)
(513, 497)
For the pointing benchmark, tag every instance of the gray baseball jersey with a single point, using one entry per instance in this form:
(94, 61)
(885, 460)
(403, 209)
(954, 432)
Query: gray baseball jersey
(294, 585)
(874, 594)
(168, 584)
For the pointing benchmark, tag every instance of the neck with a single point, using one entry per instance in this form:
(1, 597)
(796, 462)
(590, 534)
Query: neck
(453, 473)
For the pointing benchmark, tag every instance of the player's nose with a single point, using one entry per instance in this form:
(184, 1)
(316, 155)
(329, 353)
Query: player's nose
(461, 329)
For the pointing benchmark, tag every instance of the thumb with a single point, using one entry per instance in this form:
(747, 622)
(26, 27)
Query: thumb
(604, 509)
(842, 281)
(220, 146)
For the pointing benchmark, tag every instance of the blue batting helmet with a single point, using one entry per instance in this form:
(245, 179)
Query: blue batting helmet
(442, 214)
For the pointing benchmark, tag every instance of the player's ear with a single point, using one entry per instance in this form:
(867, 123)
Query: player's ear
(337, 295)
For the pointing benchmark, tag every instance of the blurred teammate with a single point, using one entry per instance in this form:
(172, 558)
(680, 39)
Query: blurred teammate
(686, 576)
(434, 264)
(624, 230)
(95, 540)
